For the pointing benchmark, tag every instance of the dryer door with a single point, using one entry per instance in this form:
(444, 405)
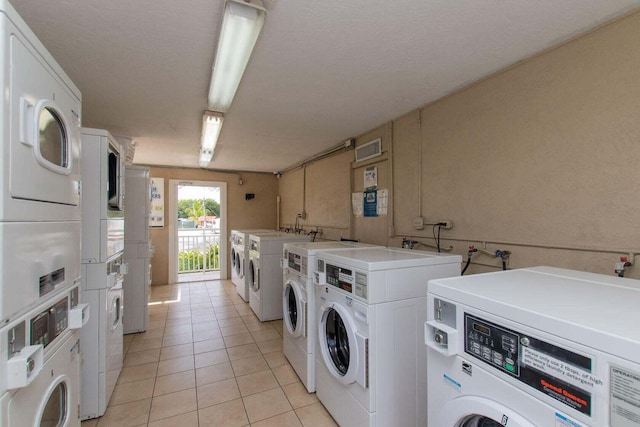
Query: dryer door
(341, 346)
(294, 308)
(474, 411)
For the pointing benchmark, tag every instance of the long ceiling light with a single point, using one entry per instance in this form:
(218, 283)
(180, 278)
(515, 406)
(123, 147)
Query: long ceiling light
(241, 26)
(211, 126)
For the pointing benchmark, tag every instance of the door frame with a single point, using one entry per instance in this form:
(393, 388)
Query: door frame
(173, 229)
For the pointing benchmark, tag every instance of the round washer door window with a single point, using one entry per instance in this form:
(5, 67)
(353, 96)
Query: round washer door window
(479, 421)
(233, 258)
(337, 341)
(237, 264)
(254, 278)
(342, 350)
(293, 309)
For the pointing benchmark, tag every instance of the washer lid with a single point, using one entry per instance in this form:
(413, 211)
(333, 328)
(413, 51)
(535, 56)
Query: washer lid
(583, 307)
(380, 258)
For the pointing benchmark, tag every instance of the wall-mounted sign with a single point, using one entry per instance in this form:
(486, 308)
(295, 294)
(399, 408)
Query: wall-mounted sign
(370, 177)
(371, 203)
(156, 216)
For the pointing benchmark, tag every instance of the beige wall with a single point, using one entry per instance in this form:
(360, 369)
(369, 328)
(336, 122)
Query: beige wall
(542, 159)
(257, 213)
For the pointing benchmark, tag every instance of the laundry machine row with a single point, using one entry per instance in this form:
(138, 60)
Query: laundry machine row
(39, 171)
(264, 275)
(239, 240)
(371, 364)
(534, 347)
(298, 304)
(40, 363)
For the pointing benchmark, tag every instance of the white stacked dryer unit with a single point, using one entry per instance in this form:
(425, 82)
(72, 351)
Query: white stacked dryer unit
(103, 268)
(137, 249)
(240, 258)
(299, 332)
(371, 365)
(40, 210)
(264, 274)
(534, 347)
(40, 232)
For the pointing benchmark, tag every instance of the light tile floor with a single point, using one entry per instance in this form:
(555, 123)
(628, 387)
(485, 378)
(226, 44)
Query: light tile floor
(206, 360)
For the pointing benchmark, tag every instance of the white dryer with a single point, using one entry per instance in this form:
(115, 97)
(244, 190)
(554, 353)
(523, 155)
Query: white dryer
(264, 274)
(102, 335)
(298, 302)
(370, 362)
(103, 181)
(40, 138)
(532, 348)
(239, 240)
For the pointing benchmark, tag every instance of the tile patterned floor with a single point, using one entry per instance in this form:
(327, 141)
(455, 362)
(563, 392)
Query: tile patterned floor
(206, 360)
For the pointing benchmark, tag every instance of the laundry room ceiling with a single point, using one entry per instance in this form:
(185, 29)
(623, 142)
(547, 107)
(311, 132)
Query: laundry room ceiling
(322, 71)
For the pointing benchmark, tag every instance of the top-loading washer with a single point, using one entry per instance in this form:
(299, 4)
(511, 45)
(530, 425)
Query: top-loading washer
(298, 303)
(240, 258)
(40, 139)
(264, 274)
(534, 347)
(371, 307)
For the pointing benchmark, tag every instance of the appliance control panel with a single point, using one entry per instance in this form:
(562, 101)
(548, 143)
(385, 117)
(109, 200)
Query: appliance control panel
(50, 323)
(560, 373)
(297, 262)
(348, 280)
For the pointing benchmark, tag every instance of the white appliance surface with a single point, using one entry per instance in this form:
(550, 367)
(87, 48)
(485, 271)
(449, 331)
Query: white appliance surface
(36, 259)
(534, 347)
(370, 362)
(39, 168)
(264, 273)
(102, 224)
(54, 395)
(102, 346)
(298, 302)
(240, 258)
(136, 249)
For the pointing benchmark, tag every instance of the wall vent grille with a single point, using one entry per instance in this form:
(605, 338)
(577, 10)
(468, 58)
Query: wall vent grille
(369, 150)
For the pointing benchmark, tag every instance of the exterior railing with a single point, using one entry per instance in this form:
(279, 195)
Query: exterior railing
(198, 250)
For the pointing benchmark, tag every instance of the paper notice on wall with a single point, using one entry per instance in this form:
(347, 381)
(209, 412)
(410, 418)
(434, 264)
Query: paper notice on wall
(371, 177)
(383, 202)
(156, 216)
(371, 203)
(357, 204)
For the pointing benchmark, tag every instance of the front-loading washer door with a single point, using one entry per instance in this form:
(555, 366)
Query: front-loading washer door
(342, 348)
(254, 276)
(233, 258)
(474, 411)
(294, 309)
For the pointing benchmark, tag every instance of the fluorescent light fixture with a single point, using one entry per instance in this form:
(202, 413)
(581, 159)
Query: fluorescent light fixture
(241, 26)
(211, 126)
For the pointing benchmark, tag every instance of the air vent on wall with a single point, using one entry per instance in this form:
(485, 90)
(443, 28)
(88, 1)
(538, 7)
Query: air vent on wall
(369, 150)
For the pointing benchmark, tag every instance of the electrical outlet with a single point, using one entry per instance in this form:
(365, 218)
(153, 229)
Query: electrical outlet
(448, 225)
(418, 223)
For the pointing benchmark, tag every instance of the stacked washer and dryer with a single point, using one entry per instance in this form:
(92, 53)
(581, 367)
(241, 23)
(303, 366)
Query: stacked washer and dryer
(40, 232)
(103, 268)
(264, 273)
(371, 364)
(239, 240)
(299, 335)
(534, 347)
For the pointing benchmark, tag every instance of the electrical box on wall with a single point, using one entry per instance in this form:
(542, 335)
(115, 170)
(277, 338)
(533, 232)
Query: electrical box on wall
(249, 196)
(418, 223)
